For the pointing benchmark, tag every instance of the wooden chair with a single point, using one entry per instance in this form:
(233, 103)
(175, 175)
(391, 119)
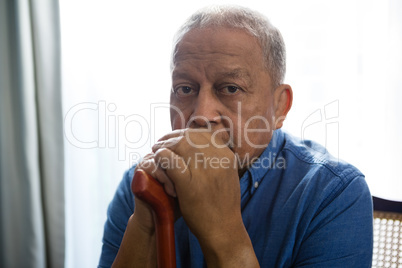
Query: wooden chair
(387, 248)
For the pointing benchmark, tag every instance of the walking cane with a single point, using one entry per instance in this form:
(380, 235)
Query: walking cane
(146, 188)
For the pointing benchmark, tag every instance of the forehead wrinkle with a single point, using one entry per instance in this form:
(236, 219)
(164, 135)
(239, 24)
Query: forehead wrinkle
(237, 74)
(187, 72)
(179, 75)
(198, 54)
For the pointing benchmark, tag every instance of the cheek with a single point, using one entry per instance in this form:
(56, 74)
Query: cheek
(254, 131)
(179, 113)
(178, 119)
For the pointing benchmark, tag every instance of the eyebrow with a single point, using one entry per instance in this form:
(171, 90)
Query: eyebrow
(238, 73)
(180, 75)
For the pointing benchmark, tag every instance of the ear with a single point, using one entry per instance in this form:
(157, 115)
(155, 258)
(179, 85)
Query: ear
(283, 97)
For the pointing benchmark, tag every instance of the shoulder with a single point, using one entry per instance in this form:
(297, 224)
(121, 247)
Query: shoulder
(330, 199)
(122, 205)
(320, 176)
(123, 195)
(307, 156)
(120, 209)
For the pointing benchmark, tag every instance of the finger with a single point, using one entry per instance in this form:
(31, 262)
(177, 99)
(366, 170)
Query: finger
(198, 138)
(149, 165)
(173, 134)
(169, 143)
(162, 177)
(174, 166)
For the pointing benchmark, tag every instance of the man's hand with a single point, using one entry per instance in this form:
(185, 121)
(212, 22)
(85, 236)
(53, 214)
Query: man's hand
(202, 171)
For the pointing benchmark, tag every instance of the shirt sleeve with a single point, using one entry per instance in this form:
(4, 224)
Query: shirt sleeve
(341, 233)
(119, 211)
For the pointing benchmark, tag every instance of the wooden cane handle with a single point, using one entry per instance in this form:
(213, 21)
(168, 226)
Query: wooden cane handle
(146, 188)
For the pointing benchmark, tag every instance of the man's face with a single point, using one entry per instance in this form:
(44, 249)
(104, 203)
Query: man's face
(219, 81)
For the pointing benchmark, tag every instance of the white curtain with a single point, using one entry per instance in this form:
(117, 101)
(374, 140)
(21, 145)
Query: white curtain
(344, 64)
(31, 136)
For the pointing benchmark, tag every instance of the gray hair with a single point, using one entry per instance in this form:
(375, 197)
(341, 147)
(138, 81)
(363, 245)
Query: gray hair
(255, 23)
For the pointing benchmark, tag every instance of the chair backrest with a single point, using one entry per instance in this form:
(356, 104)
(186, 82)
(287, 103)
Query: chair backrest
(387, 249)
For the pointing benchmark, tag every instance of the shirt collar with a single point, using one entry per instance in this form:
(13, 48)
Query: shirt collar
(266, 161)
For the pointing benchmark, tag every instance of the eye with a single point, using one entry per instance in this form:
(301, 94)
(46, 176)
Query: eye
(184, 91)
(230, 90)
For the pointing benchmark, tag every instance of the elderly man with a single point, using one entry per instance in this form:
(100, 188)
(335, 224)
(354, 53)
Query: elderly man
(249, 194)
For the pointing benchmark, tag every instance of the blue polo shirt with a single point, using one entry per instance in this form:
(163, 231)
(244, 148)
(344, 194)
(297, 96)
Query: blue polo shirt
(300, 206)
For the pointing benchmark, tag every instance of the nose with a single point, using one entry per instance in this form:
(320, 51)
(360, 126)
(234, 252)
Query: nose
(206, 109)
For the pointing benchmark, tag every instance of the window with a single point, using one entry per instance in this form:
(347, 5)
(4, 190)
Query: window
(344, 64)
